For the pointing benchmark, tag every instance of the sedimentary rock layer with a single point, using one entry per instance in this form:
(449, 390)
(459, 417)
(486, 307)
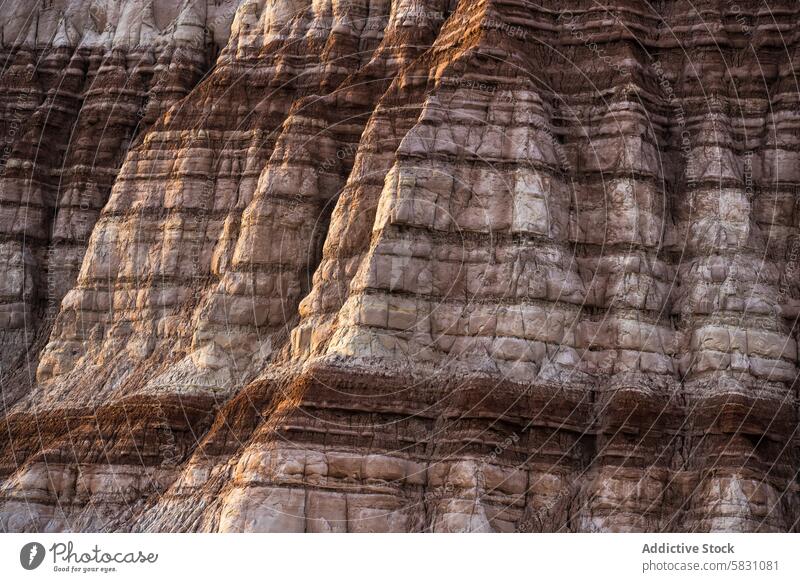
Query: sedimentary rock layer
(81, 83)
(400, 265)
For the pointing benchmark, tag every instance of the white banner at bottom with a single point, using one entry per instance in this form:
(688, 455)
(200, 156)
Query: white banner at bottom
(400, 557)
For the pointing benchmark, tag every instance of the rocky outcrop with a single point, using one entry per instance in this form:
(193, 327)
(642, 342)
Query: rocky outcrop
(81, 82)
(408, 265)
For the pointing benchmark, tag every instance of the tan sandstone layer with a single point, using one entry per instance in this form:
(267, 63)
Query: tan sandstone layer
(409, 265)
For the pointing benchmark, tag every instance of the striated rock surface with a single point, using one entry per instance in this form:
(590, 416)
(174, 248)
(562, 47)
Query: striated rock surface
(399, 265)
(81, 82)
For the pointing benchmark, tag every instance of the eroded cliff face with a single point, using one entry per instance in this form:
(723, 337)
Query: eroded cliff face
(81, 82)
(399, 265)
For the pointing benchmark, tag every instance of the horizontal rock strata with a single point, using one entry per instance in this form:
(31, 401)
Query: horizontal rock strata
(400, 265)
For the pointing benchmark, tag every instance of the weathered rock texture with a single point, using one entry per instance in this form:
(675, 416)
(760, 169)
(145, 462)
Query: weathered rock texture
(400, 265)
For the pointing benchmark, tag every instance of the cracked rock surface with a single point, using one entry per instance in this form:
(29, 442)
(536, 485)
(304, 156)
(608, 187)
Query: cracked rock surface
(399, 265)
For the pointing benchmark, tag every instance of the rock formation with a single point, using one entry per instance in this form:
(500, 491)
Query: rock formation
(399, 265)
